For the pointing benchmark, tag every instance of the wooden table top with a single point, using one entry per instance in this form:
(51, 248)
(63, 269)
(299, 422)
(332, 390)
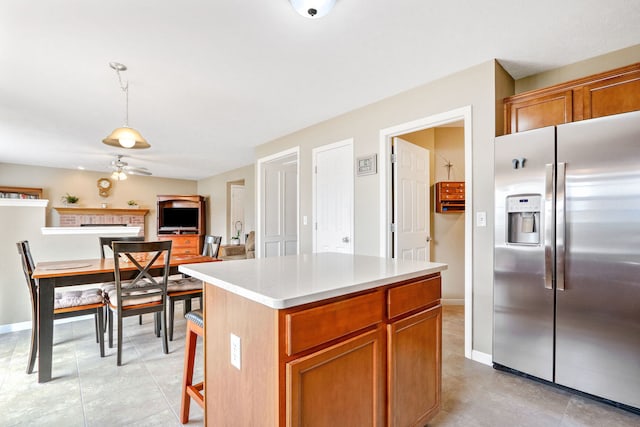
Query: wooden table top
(80, 267)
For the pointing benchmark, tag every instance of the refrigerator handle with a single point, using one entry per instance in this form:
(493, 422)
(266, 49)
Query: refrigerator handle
(548, 227)
(560, 226)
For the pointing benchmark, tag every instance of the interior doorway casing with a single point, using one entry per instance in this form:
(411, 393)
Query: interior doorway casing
(386, 200)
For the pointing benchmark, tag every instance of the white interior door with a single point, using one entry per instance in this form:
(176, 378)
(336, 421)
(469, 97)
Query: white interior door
(333, 198)
(236, 213)
(280, 207)
(411, 204)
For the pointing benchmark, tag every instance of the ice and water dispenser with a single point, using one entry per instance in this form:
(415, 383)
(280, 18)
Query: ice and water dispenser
(523, 225)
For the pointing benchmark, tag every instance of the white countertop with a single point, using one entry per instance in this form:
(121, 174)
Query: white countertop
(289, 281)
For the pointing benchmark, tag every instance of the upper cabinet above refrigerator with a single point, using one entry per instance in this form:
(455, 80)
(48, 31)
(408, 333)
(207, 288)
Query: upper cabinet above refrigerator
(613, 92)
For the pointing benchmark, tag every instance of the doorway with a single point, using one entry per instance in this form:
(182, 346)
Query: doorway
(333, 197)
(387, 200)
(235, 210)
(278, 206)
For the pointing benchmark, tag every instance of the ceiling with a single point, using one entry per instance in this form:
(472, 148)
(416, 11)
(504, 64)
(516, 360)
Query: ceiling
(210, 80)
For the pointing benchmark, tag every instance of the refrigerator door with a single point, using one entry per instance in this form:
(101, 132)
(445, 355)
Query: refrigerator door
(598, 312)
(523, 296)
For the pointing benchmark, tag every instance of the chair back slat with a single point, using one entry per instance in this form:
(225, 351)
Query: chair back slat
(211, 246)
(139, 287)
(108, 241)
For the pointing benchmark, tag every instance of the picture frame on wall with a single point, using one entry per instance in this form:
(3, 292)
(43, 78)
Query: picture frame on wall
(367, 165)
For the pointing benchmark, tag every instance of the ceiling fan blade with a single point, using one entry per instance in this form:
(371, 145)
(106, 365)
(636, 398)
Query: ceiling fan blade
(136, 171)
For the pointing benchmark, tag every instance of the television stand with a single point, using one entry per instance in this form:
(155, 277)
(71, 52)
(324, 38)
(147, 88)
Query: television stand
(186, 240)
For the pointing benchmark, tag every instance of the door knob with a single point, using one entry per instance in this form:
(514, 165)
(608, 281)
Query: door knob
(345, 239)
(428, 238)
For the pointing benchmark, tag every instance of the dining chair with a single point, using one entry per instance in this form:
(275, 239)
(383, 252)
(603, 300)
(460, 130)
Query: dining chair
(106, 242)
(68, 303)
(144, 293)
(187, 288)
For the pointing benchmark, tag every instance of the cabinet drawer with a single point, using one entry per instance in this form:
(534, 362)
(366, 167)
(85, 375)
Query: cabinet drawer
(413, 296)
(185, 242)
(309, 328)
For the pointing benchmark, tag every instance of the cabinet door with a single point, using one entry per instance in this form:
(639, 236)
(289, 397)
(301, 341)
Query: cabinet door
(615, 95)
(415, 366)
(543, 111)
(340, 385)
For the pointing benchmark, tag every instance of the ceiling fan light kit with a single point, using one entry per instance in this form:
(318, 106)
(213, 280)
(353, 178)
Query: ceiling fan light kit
(313, 9)
(125, 136)
(121, 169)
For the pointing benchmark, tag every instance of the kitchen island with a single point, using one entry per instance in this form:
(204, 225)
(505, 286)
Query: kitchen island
(322, 339)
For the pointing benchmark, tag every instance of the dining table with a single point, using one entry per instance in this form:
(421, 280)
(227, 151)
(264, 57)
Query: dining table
(54, 274)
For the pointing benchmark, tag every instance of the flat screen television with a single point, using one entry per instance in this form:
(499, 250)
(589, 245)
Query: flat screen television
(179, 218)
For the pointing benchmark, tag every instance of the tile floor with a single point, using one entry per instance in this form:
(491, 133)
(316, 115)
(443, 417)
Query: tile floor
(90, 391)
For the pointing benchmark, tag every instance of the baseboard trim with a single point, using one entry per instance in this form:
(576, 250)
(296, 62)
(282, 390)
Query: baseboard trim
(23, 326)
(452, 301)
(480, 357)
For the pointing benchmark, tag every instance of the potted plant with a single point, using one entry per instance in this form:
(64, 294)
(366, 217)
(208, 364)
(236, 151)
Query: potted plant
(69, 199)
(132, 204)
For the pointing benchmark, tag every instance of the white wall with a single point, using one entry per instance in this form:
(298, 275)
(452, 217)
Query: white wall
(215, 188)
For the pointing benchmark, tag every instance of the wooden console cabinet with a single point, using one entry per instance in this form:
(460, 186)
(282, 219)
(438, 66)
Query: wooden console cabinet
(613, 92)
(371, 358)
(186, 239)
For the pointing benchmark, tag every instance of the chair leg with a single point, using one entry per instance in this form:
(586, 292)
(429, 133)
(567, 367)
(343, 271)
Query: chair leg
(110, 322)
(172, 309)
(156, 324)
(165, 343)
(95, 321)
(187, 306)
(33, 349)
(140, 319)
(119, 361)
(100, 329)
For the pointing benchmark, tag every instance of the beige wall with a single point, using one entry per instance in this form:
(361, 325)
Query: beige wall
(599, 64)
(24, 223)
(474, 87)
(56, 182)
(215, 188)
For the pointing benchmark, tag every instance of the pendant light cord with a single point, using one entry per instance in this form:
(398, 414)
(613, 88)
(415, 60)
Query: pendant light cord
(125, 89)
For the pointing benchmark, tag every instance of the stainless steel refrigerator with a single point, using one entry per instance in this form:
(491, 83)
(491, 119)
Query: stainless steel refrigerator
(567, 255)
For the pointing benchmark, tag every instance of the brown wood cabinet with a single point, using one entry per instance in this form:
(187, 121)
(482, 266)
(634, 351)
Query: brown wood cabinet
(612, 92)
(368, 359)
(181, 219)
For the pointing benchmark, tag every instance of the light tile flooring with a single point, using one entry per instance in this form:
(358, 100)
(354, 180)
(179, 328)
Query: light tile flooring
(90, 391)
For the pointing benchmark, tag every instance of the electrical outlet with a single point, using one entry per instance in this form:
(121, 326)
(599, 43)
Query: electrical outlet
(235, 351)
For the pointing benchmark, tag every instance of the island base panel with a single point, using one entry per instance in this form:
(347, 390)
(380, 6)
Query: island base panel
(248, 396)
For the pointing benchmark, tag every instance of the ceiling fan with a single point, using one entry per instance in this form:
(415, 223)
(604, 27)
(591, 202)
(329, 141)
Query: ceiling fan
(121, 169)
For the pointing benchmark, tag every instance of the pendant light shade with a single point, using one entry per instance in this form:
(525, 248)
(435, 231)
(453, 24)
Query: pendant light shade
(313, 9)
(125, 137)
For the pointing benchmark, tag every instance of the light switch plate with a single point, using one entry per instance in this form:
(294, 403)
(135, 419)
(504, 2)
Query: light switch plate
(235, 351)
(481, 219)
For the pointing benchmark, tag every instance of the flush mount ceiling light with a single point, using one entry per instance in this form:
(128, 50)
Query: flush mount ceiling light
(125, 137)
(313, 9)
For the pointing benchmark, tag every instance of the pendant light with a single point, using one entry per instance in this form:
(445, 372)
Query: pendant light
(125, 137)
(313, 9)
